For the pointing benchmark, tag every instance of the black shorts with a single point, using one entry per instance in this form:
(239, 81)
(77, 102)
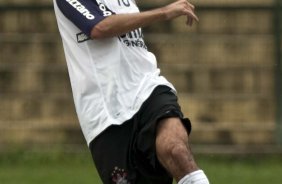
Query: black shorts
(126, 154)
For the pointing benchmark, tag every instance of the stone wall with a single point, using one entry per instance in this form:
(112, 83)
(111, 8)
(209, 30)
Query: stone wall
(36, 101)
(222, 67)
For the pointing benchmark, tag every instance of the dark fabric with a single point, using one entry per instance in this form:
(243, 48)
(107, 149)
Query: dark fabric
(85, 14)
(126, 153)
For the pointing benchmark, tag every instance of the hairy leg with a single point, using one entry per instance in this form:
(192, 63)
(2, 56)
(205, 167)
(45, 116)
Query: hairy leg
(172, 148)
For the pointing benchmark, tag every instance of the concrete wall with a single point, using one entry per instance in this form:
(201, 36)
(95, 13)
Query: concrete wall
(222, 67)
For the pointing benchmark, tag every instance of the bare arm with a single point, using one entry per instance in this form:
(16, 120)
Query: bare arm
(116, 25)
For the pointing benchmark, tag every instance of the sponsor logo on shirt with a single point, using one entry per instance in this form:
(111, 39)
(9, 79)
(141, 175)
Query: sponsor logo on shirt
(133, 39)
(80, 8)
(81, 37)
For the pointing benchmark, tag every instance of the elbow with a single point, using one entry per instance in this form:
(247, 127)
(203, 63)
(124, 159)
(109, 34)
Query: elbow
(99, 32)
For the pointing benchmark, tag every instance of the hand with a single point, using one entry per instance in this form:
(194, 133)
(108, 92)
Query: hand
(190, 20)
(180, 8)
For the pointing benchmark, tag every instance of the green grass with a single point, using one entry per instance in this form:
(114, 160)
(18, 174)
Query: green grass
(243, 170)
(47, 168)
(61, 168)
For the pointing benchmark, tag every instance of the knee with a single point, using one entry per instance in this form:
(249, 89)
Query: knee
(178, 150)
(174, 151)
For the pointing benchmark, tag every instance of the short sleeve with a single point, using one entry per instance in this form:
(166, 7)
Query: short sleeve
(85, 14)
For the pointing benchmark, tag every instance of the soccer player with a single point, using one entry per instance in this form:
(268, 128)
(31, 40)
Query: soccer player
(128, 112)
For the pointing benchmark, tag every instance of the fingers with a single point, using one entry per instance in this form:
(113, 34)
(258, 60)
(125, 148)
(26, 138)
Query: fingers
(181, 8)
(190, 12)
(192, 15)
(189, 21)
(191, 6)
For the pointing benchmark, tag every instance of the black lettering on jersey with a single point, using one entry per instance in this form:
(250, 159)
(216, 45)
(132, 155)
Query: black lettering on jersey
(133, 39)
(123, 3)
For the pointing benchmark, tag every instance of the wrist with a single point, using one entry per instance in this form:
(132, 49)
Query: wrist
(163, 13)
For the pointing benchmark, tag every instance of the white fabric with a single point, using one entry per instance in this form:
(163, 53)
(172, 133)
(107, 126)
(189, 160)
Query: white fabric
(196, 177)
(110, 78)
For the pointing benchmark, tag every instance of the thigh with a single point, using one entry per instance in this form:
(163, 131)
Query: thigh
(172, 148)
(172, 129)
(161, 105)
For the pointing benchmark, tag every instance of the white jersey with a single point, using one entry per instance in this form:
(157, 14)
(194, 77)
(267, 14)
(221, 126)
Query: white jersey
(112, 77)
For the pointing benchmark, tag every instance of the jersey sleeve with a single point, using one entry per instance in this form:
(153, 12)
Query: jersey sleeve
(85, 14)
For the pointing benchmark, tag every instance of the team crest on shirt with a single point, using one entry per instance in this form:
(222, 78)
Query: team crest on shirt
(119, 176)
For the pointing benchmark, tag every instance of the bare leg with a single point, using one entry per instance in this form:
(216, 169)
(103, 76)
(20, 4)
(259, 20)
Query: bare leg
(172, 148)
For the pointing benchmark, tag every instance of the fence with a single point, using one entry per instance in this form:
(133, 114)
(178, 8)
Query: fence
(227, 70)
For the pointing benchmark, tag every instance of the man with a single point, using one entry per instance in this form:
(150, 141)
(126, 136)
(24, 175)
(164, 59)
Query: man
(128, 113)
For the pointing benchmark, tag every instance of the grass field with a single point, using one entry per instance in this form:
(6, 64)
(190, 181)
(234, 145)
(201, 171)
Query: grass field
(62, 168)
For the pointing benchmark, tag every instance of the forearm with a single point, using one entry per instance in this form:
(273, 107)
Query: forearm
(119, 24)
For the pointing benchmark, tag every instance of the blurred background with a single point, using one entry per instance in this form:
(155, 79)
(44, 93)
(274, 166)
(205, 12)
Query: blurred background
(227, 70)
